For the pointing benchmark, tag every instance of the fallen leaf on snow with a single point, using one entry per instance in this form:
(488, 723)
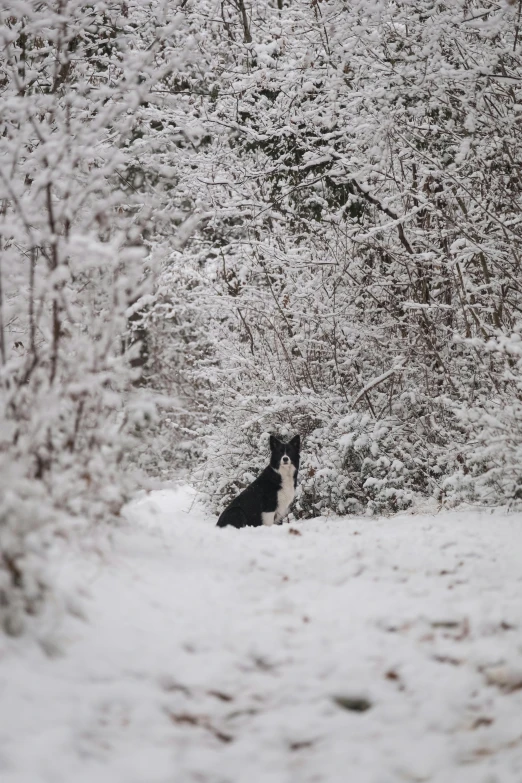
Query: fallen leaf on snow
(353, 703)
(506, 678)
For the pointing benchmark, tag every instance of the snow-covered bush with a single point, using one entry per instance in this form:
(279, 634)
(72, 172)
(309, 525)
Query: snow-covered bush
(181, 358)
(350, 462)
(76, 260)
(490, 469)
(362, 212)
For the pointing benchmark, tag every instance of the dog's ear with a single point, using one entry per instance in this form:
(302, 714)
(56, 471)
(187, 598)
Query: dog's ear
(296, 442)
(273, 442)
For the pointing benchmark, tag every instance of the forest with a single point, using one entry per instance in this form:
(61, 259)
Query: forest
(224, 219)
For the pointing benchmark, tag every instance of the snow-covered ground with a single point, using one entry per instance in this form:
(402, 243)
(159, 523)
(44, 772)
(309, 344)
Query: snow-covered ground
(362, 650)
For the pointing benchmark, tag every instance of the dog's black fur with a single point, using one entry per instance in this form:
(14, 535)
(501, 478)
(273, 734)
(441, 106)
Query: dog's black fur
(266, 495)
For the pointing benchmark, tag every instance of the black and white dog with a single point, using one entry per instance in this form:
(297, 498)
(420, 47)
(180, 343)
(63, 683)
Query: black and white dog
(268, 498)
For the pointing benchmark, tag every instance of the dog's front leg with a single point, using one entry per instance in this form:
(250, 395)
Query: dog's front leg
(280, 516)
(268, 517)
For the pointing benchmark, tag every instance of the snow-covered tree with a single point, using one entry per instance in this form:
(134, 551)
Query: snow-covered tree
(362, 214)
(77, 87)
(223, 218)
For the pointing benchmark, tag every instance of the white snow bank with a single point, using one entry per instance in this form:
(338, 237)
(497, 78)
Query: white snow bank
(215, 655)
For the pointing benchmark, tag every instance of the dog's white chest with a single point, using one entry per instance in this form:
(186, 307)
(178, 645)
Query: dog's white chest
(286, 494)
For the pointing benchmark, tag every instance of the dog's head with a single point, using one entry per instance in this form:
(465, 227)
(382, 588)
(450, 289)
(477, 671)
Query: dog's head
(285, 456)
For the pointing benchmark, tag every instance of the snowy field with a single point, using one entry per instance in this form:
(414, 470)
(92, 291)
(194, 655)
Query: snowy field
(335, 650)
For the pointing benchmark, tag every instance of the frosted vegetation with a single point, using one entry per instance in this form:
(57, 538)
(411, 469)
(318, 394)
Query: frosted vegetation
(224, 218)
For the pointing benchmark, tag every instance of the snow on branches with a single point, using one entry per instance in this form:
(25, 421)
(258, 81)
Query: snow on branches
(257, 216)
(363, 210)
(74, 261)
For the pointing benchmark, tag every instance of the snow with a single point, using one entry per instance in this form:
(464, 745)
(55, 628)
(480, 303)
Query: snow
(214, 655)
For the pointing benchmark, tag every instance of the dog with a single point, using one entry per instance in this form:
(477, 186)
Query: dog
(268, 498)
